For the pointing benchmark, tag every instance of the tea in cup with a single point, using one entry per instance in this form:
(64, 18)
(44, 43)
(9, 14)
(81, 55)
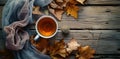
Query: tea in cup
(46, 27)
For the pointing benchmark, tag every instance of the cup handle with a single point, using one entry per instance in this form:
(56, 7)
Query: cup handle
(36, 37)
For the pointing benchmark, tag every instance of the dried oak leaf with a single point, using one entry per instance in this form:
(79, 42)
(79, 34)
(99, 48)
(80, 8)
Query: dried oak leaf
(57, 8)
(72, 9)
(72, 45)
(57, 50)
(85, 53)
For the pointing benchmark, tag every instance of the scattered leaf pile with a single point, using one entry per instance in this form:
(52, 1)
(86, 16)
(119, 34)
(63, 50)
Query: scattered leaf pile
(58, 7)
(58, 49)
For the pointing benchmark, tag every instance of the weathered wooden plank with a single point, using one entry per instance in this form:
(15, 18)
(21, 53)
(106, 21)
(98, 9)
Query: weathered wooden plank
(103, 1)
(109, 56)
(110, 25)
(98, 17)
(91, 25)
(87, 34)
(96, 13)
(105, 43)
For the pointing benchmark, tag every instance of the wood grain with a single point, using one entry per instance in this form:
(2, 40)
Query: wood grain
(91, 25)
(87, 34)
(96, 13)
(86, 25)
(103, 1)
(96, 17)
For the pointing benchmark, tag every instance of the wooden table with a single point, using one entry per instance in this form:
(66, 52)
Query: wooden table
(98, 25)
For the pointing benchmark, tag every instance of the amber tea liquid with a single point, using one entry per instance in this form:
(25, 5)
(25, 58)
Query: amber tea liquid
(46, 26)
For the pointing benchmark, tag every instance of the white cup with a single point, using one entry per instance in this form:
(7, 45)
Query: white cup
(36, 27)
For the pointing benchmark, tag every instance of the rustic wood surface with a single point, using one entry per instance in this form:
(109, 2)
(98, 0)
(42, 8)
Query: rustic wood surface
(103, 2)
(97, 25)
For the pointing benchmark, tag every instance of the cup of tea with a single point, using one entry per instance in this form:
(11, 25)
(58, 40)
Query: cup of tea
(46, 27)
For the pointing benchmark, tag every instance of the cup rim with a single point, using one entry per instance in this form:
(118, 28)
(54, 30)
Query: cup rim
(37, 28)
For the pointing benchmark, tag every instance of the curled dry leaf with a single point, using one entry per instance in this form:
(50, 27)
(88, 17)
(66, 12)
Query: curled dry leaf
(58, 50)
(85, 53)
(72, 45)
(57, 8)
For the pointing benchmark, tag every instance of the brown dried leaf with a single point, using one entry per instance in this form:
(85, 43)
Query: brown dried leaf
(57, 8)
(72, 45)
(58, 48)
(56, 12)
(60, 44)
(85, 53)
(53, 5)
(62, 52)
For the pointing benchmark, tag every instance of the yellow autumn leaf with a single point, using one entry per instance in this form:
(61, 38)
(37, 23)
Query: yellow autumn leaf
(72, 9)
